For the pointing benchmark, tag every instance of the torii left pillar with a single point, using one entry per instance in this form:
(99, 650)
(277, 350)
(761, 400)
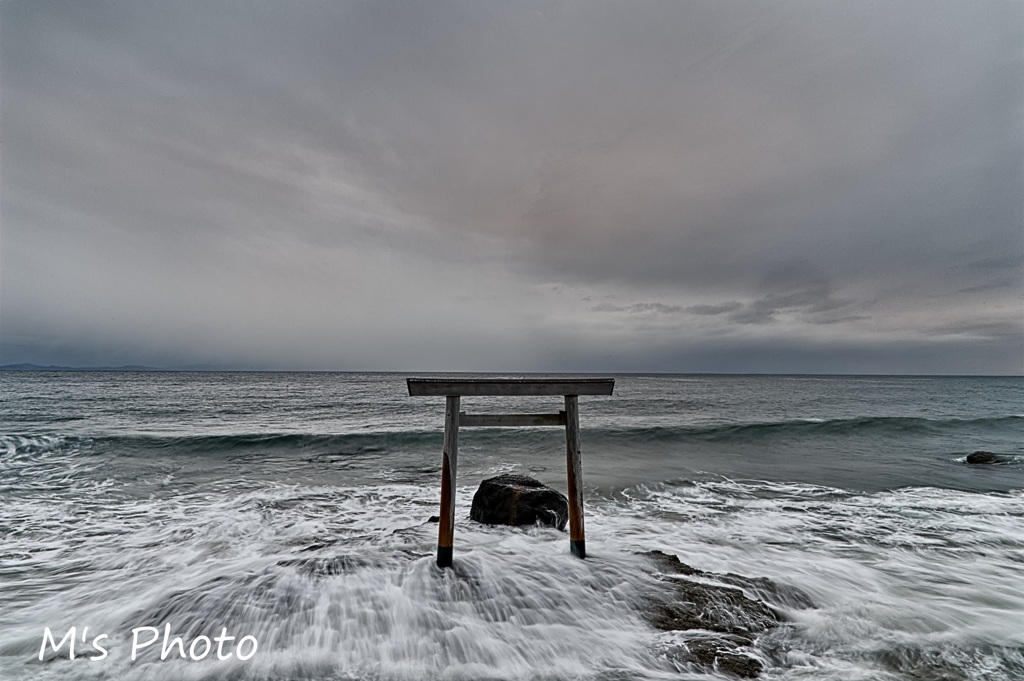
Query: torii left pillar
(449, 467)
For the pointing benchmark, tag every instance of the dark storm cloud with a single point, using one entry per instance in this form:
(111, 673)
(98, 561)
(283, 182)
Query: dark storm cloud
(300, 184)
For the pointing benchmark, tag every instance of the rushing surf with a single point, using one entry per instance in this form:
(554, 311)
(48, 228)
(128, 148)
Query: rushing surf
(294, 509)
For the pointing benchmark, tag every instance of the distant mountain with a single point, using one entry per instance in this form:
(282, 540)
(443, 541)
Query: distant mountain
(52, 367)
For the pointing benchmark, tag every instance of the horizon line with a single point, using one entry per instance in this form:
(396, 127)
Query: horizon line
(28, 367)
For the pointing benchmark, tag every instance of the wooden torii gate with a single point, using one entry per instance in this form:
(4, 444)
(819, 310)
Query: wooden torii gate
(453, 390)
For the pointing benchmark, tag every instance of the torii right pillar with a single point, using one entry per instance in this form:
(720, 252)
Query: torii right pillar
(574, 471)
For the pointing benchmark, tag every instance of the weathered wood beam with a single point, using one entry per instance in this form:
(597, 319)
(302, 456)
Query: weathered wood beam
(510, 420)
(449, 466)
(574, 466)
(474, 387)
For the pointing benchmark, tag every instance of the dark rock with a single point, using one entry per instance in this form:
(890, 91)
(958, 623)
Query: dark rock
(719, 655)
(916, 661)
(762, 587)
(671, 564)
(519, 500)
(984, 457)
(693, 601)
(704, 653)
(691, 604)
(766, 589)
(723, 609)
(434, 519)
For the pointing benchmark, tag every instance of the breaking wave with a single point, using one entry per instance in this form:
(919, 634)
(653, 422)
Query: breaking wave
(398, 440)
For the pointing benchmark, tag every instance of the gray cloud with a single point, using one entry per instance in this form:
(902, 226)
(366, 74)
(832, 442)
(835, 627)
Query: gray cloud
(793, 287)
(1008, 282)
(312, 184)
(983, 329)
(638, 308)
(720, 308)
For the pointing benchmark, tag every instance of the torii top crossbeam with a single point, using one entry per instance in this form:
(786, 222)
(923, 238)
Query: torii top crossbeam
(474, 387)
(453, 389)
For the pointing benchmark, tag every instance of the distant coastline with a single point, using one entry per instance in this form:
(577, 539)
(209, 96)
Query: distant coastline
(54, 367)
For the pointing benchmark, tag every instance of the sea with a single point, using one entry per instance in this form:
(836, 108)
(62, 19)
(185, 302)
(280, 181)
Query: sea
(150, 514)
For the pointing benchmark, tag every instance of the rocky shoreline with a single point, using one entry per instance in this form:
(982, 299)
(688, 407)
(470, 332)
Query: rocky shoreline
(718, 622)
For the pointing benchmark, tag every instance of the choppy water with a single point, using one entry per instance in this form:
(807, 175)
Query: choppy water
(292, 508)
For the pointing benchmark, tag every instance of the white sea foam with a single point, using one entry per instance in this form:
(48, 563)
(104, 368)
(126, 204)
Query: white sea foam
(340, 583)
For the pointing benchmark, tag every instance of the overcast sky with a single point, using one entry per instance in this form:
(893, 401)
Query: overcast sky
(683, 186)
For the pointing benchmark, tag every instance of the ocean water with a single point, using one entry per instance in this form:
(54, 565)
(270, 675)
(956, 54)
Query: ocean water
(292, 509)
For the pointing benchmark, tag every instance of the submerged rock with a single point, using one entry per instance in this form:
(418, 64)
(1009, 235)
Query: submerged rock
(696, 604)
(519, 500)
(924, 661)
(984, 457)
(722, 609)
(762, 587)
(327, 567)
(720, 656)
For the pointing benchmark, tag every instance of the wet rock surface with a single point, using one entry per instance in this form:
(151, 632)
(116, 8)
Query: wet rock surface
(762, 587)
(724, 620)
(718, 655)
(519, 500)
(981, 457)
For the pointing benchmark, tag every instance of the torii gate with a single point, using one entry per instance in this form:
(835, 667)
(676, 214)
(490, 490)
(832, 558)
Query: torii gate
(453, 390)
